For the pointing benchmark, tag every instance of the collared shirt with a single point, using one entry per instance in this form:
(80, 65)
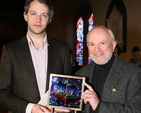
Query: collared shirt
(40, 60)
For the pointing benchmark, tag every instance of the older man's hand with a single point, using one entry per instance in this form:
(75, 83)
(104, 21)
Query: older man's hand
(91, 97)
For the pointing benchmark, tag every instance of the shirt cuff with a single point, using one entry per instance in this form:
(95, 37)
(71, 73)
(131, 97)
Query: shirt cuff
(29, 108)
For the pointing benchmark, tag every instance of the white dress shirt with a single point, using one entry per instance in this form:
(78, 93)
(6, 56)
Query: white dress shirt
(40, 60)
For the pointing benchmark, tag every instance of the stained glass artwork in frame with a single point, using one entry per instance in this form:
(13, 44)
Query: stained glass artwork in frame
(66, 91)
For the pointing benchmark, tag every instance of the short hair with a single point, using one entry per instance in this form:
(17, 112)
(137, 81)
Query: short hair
(48, 3)
(135, 49)
(103, 27)
(111, 34)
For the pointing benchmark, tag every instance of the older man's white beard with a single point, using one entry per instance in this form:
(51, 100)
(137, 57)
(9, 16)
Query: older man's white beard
(104, 62)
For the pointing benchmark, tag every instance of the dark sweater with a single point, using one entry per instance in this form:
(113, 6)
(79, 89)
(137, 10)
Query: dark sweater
(99, 77)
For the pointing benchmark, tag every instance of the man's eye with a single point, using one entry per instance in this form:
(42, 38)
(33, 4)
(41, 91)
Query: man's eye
(44, 15)
(102, 43)
(91, 44)
(33, 14)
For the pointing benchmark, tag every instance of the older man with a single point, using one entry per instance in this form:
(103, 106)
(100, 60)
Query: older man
(114, 85)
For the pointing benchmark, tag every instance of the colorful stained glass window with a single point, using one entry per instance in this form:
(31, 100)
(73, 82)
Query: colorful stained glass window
(79, 41)
(90, 22)
(80, 38)
(90, 26)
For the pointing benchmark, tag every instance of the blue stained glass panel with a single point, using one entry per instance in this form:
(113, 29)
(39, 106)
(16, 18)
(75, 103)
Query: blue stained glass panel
(79, 41)
(90, 26)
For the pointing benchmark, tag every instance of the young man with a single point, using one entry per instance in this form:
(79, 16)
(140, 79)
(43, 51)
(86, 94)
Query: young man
(26, 64)
(136, 56)
(114, 85)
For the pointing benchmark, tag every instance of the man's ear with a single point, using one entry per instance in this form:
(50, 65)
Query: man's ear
(49, 20)
(25, 16)
(114, 45)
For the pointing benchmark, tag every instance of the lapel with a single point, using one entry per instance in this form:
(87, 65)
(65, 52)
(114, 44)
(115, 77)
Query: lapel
(52, 57)
(89, 74)
(90, 71)
(113, 77)
(27, 60)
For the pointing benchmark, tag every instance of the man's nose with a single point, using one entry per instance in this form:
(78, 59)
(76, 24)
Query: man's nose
(97, 47)
(39, 18)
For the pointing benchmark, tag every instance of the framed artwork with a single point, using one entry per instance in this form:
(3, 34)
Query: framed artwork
(65, 91)
(116, 20)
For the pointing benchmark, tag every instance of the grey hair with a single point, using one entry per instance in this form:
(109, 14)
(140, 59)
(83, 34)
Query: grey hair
(111, 34)
(103, 27)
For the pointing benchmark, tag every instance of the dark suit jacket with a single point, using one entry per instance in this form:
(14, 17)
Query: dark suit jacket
(18, 85)
(122, 90)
